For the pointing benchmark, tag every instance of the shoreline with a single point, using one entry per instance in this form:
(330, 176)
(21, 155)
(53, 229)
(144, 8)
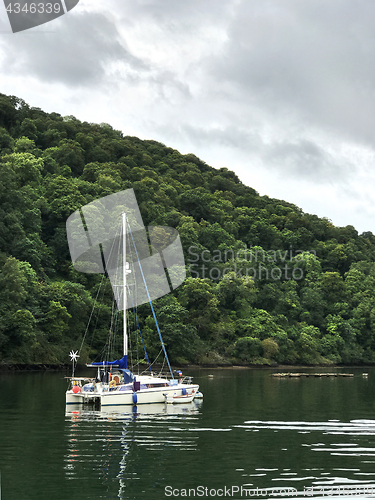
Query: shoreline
(44, 367)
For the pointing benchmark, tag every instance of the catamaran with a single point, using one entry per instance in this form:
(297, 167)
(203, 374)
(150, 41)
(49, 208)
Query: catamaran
(114, 384)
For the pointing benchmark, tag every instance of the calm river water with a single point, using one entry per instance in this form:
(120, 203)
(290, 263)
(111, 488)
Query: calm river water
(275, 438)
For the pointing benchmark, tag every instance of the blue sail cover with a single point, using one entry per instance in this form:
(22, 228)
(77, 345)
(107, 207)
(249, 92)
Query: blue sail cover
(128, 376)
(121, 363)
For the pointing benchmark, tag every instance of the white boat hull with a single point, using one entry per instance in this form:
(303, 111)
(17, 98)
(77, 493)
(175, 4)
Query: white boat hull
(182, 393)
(146, 396)
(74, 399)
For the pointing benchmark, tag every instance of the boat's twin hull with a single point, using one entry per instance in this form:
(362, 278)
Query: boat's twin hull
(74, 399)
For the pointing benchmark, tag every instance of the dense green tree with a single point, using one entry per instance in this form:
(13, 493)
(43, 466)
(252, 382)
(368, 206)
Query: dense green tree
(198, 297)
(248, 349)
(179, 335)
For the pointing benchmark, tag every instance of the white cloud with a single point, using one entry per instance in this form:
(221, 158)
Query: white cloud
(83, 51)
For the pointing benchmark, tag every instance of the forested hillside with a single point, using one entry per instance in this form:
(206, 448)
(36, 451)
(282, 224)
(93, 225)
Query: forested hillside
(267, 283)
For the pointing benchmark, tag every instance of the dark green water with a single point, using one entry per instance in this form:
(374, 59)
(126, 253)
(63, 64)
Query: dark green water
(251, 430)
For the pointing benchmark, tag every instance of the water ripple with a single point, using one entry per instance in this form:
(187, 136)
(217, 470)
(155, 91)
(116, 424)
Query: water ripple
(355, 432)
(354, 427)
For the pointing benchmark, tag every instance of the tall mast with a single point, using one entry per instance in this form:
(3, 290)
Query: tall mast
(124, 285)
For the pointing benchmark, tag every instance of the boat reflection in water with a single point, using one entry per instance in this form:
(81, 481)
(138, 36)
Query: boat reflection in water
(124, 412)
(121, 445)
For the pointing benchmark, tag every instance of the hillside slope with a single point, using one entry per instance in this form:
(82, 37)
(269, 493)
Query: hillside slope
(267, 282)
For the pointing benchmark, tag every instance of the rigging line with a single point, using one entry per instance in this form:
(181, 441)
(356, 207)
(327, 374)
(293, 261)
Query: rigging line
(135, 341)
(137, 351)
(109, 341)
(130, 350)
(113, 332)
(140, 333)
(116, 276)
(96, 324)
(162, 367)
(114, 314)
(152, 308)
(137, 364)
(135, 319)
(161, 350)
(114, 335)
(92, 312)
(102, 354)
(107, 347)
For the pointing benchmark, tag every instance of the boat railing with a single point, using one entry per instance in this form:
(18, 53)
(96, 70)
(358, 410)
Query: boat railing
(187, 380)
(181, 380)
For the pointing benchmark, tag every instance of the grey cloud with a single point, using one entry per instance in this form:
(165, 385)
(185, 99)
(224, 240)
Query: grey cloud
(168, 86)
(300, 158)
(5, 26)
(172, 15)
(301, 66)
(227, 136)
(307, 160)
(78, 53)
(312, 58)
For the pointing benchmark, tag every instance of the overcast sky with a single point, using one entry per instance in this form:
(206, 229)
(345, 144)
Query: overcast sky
(280, 91)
